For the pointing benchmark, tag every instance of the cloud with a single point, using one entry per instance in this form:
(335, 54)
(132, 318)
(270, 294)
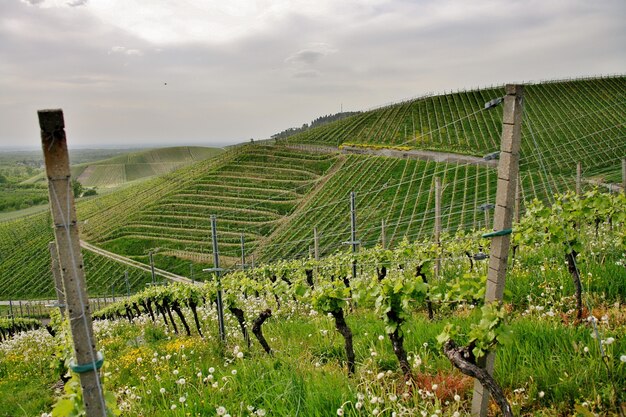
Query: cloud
(33, 2)
(311, 54)
(125, 51)
(76, 3)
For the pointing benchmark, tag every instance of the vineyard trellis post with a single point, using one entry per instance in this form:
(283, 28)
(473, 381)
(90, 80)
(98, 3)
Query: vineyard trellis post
(243, 253)
(56, 274)
(579, 177)
(316, 244)
(217, 270)
(127, 283)
(353, 240)
(508, 170)
(152, 267)
(518, 199)
(87, 360)
(624, 175)
(383, 234)
(438, 223)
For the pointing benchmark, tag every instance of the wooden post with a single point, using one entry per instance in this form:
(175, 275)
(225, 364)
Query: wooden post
(579, 178)
(383, 234)
(508, 169)
(518, 198)
(56, 274)
(438, 223)
(54, 144)
(316, 244)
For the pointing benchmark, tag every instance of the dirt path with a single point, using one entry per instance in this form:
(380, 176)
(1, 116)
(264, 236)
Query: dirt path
(135, 264)
(411, 154)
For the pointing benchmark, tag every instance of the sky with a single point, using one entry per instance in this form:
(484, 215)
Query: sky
(178, 72)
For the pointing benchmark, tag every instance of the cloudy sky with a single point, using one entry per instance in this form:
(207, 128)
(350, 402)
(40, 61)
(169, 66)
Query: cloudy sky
(148, 72)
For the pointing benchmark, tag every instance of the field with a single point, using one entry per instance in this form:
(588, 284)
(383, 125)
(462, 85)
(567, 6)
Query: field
(565, 354)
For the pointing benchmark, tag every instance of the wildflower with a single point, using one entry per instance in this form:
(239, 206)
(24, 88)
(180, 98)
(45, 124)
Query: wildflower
(609, 340)
(181, 381)
(162, 390)
(340, 411)
(456, 414)
(381, 375)
(358, 405)
(240, 355)
(199, 374)
(211, 370)
(623, 358)
(541, 394)
(375, 411)
(234, 372)
(457, 397)
(173, 407)
(139, 359)
(182, 399)
(175, 371)
(381, 337)
(260, 412)
(220, 411)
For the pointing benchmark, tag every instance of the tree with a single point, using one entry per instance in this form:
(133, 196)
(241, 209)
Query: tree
(77, 188)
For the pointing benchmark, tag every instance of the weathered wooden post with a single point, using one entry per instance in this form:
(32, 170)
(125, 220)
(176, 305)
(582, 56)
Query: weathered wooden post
(56, 274)
(353, 240)
(508, 169)
(86, 360)
(383, 234)
(438, 223)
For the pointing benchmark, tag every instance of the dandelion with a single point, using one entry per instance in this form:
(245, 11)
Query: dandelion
(586, 349)
(434, 387)
(456, 414)
(211, 370)
(220, 411)
(381, 337)
(175, 372)
(260, 412)
(381, 375)
(457, 397)
(340, 411)
(609, 340)
(173, 407)
(541, 394)
(162, 390)
(181, 381)
(139, 359)
(199, 374)
(182, 399)
(375, 411)
(358, 405)
(622, 358)
(239, 355)
(234, 372)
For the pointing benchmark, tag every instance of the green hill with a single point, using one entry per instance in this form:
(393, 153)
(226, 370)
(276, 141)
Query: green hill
(275, 195)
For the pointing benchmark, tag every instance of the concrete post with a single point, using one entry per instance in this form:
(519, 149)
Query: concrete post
(383, 234)
(508, 169)
(624, 175)
(54, 144)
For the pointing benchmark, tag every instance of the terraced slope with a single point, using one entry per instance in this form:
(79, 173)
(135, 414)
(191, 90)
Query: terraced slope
(249, 192)
(564, 122)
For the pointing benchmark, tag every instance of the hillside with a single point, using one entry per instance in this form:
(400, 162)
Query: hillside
(565, 122)
(276, 195)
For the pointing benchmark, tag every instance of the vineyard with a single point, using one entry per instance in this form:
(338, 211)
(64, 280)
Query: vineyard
(314, 328)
